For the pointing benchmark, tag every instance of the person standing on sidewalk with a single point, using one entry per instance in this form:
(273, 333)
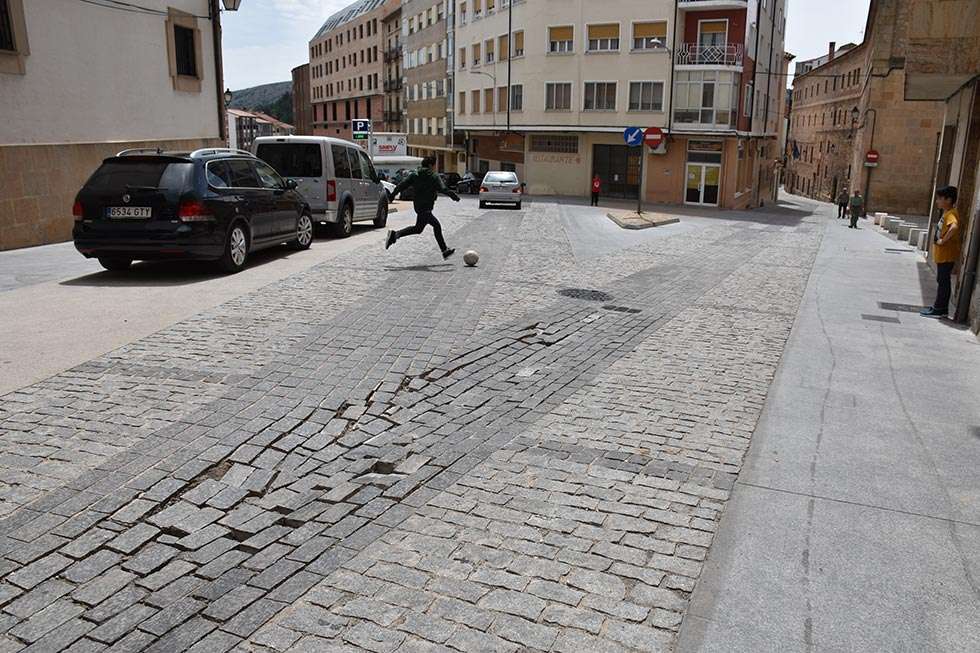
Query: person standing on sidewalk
(842, 203)
(596, 188)
(945, 250)
(856, 208)
(427, 185)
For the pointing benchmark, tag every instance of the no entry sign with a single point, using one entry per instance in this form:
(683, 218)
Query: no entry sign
(871, 158)
(653, 137)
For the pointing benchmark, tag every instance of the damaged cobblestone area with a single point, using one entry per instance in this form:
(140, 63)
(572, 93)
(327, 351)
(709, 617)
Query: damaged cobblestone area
(446, 459)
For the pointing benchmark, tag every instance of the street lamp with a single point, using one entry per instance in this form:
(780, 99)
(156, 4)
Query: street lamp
(228, 96)
(493, 80)
(231, 5)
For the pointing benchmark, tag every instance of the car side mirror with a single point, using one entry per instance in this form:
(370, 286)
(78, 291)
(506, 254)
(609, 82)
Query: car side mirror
(291, 184)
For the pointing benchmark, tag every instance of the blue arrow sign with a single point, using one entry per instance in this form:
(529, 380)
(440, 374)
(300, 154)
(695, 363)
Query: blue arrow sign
(633, 136)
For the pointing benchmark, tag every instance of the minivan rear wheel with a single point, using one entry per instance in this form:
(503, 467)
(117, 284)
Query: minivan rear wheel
(236, 249)
(114, 263)
(344, 227)
(382, 218)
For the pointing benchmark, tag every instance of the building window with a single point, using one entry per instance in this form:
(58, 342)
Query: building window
(706, 98)
(488, 45)
(604, 38)
(476, 54)
(600, 96)
(646, 96)
(519, 43)
(560, 143)
(517, 97)
(501, 98)
(462, 58)
(503, 46)
(462, 14)
(461, 105)
(560, 39)
(475, 101)
(558, 96)
(184, 50)
(6, 28)
(747, 101)
(649, 35)
(488, 100)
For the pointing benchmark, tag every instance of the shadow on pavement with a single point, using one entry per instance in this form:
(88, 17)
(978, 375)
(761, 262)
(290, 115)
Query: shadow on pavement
(438, 267)
(172, 273)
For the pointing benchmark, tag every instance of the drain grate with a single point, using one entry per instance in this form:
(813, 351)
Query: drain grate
(586, 294)
(898, 250)
(880, 318)
(905, 308)
(620, 309)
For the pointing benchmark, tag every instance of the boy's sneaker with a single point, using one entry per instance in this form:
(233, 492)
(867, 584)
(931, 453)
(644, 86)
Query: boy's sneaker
(390, 240)
(931, 312)
(446, 253)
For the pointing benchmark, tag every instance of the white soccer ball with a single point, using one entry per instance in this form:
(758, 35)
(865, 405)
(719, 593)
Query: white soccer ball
(471, 257)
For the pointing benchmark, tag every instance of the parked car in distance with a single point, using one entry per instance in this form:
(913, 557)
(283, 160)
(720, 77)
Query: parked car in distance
(396, 168)
(335, 176)
(211, 204)
(451, 179)
(469, 184)
(501, 187)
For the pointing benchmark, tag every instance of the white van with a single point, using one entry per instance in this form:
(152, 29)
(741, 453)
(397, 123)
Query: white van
(335, 176)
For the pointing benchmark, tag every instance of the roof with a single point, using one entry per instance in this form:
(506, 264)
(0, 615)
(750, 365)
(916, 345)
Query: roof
(348, 13)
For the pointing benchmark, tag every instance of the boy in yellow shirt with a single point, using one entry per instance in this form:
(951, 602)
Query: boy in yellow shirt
(945, 250)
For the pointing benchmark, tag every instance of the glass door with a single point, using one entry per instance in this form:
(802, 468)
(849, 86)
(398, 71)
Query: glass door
(703, 184)
(694, 177)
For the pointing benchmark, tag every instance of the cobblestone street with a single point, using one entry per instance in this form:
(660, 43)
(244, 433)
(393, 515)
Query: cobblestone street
(388, 452)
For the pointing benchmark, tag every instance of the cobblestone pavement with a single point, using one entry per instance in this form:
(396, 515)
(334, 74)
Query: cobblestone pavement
(386, 454)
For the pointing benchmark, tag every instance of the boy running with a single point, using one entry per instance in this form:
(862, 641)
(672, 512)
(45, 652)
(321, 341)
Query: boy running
(427, 185)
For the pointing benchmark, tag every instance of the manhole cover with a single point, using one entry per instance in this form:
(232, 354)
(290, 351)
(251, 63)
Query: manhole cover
(586, 294)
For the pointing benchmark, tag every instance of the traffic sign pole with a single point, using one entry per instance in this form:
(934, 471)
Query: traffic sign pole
(639, 193)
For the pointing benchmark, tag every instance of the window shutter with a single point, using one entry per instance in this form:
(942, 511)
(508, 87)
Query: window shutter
(518, 41)
(714, 27)
(560, 33)
(650, 30)
(503, 46)
(604, 31)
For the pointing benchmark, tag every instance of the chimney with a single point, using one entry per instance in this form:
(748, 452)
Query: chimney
(833, 49)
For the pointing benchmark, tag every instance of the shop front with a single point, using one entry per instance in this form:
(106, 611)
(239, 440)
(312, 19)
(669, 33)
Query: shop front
(703, 172)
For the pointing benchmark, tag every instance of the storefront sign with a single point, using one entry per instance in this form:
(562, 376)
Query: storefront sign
(704, 146)
(565, 159)
(389, 145)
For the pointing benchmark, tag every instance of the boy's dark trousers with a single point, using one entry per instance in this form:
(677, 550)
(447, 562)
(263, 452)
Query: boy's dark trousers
(842, 210)
(423, 216)
(854, 218)
(595, 198)
(944, 273)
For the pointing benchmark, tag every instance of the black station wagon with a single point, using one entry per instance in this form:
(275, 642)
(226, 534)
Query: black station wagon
(213, 204)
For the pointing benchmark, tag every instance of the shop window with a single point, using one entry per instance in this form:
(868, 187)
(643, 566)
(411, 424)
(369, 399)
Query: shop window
(559, 143)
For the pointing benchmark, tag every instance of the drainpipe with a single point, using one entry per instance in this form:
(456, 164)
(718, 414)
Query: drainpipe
(755, 76)
(215, 12)
(673, 61)
(510, 54)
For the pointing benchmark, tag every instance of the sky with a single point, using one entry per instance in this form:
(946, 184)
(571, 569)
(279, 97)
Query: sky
(265, 39)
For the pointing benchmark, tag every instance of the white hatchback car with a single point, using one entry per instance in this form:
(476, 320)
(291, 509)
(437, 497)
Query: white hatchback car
(501, 187)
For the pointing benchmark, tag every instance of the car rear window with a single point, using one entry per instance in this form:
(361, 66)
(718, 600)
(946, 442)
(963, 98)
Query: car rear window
(292, 159)
(501, 176)
(115, 176)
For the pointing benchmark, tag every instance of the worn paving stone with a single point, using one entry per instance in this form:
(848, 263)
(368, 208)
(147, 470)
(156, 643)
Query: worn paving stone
(465, 460)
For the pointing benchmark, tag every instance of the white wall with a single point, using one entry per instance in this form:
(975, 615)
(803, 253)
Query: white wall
(97, 74)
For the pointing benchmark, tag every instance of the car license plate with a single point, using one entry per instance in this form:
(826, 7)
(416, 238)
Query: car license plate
(129, 212)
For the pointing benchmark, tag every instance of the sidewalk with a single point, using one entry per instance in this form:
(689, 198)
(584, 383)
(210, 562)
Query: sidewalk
(855, 522)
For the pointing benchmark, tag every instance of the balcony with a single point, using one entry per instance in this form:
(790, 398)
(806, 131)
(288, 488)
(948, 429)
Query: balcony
(712, 4)
(392, 54)
(710, 56)
(392, 116)
(393, 85)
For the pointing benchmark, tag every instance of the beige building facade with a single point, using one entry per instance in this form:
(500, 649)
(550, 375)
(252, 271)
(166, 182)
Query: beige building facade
(67, 103)
(393, 105)
(551, 96)
(346, 68)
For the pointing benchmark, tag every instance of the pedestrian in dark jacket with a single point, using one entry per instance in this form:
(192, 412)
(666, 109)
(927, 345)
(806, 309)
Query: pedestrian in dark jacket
(427, 186)
(842, 203)
(857, 208)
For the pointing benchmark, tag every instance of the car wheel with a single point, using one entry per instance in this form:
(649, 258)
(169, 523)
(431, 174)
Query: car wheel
(343, 228)
(236, 249)
(382, 218)
(304, 232)
(115, 264)
(518, 206)
(483, 205)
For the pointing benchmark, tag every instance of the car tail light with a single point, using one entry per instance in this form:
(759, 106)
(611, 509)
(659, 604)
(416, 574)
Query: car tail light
(483, 189)
(331, 190)
(517, 190)
(76, 210)
(194, 211)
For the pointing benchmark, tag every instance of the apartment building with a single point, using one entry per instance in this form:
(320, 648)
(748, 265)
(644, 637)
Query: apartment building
(67, 102)
(825, 91)
(426, 38)
(347, 68)
(391, 29)
(302, 107)
(550, 95)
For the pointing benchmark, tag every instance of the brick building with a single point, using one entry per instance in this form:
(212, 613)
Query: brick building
(302, 107)
(346, 69)
(391, 29)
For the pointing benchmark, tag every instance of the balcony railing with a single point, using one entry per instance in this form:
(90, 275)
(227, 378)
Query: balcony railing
(391, 54)
(712, 4)
(393, 85)
(692, 54)
(392, 116)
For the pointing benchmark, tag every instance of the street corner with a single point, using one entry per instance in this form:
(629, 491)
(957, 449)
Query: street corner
(645, 220)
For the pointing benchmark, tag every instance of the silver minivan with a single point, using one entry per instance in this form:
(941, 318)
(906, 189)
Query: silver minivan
(335, 176)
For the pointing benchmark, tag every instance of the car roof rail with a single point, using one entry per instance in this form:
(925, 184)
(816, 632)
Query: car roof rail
(140, 150)
(219, 150)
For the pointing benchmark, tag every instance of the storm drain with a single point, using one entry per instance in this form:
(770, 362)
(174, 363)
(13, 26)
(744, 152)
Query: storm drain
(620, 309)
(880, 318)
(586, 294)
(906, 308)
(898, 250)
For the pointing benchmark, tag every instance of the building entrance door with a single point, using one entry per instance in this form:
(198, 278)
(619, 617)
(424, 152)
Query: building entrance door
(618, 166)
(703, 181)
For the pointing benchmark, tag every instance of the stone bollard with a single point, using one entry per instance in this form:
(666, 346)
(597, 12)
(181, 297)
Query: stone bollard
(924, 240)
(904, 229)
(891, 224)
(914, 235)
